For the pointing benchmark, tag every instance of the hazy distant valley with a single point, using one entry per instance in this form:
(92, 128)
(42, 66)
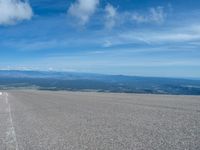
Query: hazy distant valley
(96, 82)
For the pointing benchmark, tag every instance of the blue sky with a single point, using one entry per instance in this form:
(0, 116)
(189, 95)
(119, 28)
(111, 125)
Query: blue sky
(131, 37)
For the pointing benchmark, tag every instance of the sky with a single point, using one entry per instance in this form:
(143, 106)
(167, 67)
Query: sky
(129, 37)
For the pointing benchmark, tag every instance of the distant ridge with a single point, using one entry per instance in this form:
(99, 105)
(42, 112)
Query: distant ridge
(52, 80)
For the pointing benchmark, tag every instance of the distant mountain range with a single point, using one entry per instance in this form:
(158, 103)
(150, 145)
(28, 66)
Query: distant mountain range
(49, 80)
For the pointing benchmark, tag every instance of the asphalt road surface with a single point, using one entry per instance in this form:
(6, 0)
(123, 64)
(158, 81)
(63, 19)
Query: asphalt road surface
(41, 120)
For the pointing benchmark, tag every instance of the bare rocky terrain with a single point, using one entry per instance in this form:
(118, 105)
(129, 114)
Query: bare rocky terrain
(44, 120)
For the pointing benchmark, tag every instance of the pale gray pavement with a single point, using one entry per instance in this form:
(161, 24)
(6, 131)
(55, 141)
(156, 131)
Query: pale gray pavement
(40, 120)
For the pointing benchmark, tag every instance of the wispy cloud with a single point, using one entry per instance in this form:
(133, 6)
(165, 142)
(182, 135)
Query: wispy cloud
(111, 15)
(187, 34)
(154, 15)
(12, 11)
(115, 18)
(107, 43)
(83, 10)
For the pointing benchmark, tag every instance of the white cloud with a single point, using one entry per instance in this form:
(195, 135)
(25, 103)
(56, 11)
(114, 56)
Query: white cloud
(157, 37)
(187, 35)
(83, 10)
(113, 17)
(107, 43)
(12, 11)
(111, 14)
(154, 15)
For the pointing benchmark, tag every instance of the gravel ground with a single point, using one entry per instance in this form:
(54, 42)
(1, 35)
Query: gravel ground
(41, 120)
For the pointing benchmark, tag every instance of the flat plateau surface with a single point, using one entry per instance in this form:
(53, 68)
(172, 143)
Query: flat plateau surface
(44, 120)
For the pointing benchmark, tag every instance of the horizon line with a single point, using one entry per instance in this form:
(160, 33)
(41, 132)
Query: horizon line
(107, 74)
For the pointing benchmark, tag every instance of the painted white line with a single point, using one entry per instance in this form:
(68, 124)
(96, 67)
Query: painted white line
(6, 98)
(11, 135)
(1, 93)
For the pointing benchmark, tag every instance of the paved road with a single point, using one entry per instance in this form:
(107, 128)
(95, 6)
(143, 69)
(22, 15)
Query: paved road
(36, 120)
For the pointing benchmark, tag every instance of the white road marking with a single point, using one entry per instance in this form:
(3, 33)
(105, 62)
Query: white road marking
(11, 135)
(6, 98)
(1, 93)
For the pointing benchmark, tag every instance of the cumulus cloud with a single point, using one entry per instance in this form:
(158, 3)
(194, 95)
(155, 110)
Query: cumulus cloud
(155, 15)
(111, 15)
(83, 10)
(12, 11)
